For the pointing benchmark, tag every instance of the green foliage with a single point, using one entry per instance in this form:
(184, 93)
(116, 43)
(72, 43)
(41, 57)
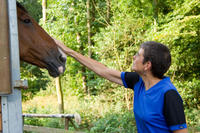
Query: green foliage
(45, 122)
(90, 108)
(37, 79)
(33, 7)
(189, 91)
(115, 123)
(115, 41)
(67, 23)
(66, 19)
(74, 84)
(192, 117)
(180, 31)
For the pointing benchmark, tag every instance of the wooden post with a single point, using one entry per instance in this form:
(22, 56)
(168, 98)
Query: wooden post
(0, 118)
(66, 124)
(59, 95)
(5, 77)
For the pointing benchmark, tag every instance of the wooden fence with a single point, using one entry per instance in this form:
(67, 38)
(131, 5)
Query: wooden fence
(67, 119)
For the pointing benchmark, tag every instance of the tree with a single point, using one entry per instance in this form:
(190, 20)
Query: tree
(44, 6)
(57, 79)
(59, 95)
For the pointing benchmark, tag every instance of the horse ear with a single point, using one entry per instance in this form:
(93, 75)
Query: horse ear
(21, 7)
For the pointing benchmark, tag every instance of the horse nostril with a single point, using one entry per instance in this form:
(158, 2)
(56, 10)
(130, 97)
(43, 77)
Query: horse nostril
(62, 59)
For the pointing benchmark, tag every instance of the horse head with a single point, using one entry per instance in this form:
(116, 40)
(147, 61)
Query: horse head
(36, 46)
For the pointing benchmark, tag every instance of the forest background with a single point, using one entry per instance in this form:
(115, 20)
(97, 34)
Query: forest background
(111, 31)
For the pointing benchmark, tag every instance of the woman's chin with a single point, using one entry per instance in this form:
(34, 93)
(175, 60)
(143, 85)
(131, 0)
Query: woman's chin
(132, 69)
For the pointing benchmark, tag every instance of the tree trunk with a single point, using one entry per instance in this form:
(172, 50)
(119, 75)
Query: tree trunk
(89, 28)
(58, 81)
(59, 95)
(108, 11)
(83, 69)
(155, 8)
(89, 42)
(44, 6)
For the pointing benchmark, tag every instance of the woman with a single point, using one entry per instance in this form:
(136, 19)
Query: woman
(158, 107)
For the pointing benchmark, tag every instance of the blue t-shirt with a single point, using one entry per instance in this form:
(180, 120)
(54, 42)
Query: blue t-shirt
(149, 104)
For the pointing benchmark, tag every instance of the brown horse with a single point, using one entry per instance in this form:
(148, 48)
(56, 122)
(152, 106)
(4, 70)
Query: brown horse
(36, 46)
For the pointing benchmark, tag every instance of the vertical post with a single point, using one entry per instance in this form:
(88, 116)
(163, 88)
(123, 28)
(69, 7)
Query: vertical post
(0, 118)
(66, 124)
(11, 104)
(5, 81)
(59, 95)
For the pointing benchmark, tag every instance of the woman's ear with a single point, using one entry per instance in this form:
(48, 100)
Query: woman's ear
(148, 65)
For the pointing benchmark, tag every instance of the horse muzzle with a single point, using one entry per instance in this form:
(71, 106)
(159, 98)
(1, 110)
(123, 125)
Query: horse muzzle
(56, 66)
(55, 71)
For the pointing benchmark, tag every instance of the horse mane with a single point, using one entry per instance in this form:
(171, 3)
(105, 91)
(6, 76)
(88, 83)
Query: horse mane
(21, 7)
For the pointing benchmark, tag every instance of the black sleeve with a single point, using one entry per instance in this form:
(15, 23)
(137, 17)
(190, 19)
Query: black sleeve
(173, 108)
(131, 79)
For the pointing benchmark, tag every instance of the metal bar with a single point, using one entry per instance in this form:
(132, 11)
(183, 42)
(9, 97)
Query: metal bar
(49, 115)
(4, 108)
(21, 84)
(12, 109)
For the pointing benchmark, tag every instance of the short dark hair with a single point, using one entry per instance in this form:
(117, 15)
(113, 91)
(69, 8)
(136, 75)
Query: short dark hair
(159, 56)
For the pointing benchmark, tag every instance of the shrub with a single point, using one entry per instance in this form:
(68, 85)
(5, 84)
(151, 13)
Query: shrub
(115, 123)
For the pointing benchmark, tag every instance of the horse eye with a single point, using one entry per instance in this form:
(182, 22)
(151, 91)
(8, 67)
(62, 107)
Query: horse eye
(27, 21)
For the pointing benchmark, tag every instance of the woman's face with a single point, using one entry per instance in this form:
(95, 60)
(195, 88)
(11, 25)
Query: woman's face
(138, 65)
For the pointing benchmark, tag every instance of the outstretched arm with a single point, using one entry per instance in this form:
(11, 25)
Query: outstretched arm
(97, 67)
(181, 131)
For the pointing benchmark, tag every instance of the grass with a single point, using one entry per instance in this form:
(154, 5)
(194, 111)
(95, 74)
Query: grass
(99, 114)
(92, 109)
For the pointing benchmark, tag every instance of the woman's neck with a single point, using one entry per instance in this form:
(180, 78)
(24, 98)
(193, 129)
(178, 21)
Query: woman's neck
(149, 81)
